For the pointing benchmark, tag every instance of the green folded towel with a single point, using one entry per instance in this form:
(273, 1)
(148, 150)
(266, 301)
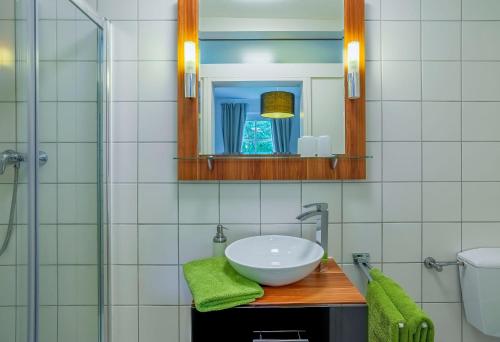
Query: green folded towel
(383, 317)
(215, 285)
(412, 313)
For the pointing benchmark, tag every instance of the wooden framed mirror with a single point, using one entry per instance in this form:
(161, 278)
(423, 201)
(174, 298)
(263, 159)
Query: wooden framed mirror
(290, 92)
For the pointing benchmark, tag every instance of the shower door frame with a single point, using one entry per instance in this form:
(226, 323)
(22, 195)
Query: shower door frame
(104, 64)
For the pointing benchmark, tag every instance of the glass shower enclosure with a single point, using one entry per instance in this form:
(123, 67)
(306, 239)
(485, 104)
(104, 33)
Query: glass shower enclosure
(53, 172)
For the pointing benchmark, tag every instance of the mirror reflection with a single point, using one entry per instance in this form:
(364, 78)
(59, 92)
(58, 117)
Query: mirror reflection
(271, 77)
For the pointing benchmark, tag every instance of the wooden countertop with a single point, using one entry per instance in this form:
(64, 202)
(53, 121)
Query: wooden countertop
(330, 287)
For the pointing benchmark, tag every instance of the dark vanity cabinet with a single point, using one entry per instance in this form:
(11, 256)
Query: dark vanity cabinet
(331, 323)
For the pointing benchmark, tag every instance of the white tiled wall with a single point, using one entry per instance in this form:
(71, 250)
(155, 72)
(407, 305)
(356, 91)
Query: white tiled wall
(433, 113)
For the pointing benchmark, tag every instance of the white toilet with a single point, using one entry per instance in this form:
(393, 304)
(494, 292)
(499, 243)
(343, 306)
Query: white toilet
(480, 282)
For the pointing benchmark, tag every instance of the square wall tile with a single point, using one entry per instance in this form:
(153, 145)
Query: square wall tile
(241, 231)
(240, 203)
(441, 40)
(198, 203)
(441, 287)
(158, 245)
(441, 161)
(372, 9)
(124, 160)
(158, 10)
(125, 40)
(402, 202)
(118, 9)
(484, 73)
(408, 276)
(124, 122)
(447, 319)
(374, 165)
(77, 323)
(158, 40)
(362, 237)
(442, 240)
(77, 285)
(76, 121)
(196, 242)
(47, 36)
(7, 9)
(362, 202)
(372, 31)
(158, 285)
(441, 201)
(480, 235)
(158, 203)
(125, 81)
(280, 202)
(77, 203)
(402, 242)
(489, 10)
(7, 285)
(185, 324)
(480, 121)
(481, 161)
(401, 121)
(373, 81)
(373, 121)
(125, 323)
(441, 9)
(402, 161)
(8, 323)
(157, 121)
(330, 193)
(281, 229)
(124, 290)
(156, 162)
(124, 239)
(441, 121)
(400, 40)
(481, 201)
(400, 9)
(77, 244)
(77, 162)
(394, 74)
(158, 323)
(158, 81)
(441, 81)
(124, 203)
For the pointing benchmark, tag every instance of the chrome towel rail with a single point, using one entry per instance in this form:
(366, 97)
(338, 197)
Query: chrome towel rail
(363, 261)
(431, 263)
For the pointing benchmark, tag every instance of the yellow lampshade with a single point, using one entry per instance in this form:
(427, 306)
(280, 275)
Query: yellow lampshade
(277, 105)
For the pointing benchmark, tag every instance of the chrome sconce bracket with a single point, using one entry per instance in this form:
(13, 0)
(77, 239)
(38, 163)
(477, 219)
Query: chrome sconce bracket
(431, 263)
(190, 85)
(361, 258)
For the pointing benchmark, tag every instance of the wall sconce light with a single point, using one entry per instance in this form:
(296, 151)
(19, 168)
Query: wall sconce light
(353, 82)
(6, 57)
(189, 69)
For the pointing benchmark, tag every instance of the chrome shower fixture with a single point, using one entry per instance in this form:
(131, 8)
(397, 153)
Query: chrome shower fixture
(10, 157)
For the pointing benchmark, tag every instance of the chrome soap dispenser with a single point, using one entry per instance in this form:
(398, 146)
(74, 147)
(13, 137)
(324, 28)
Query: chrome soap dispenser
(219, 242)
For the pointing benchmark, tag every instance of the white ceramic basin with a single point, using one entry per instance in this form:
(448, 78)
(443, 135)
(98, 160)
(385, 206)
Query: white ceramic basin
(274, 260)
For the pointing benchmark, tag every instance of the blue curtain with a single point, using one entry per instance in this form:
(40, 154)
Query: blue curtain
(233, 122)
(282, 132)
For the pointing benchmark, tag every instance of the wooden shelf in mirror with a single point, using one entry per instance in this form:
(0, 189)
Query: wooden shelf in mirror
(192, 167)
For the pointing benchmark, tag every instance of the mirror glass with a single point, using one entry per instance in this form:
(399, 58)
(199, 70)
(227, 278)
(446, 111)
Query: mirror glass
(271, 77)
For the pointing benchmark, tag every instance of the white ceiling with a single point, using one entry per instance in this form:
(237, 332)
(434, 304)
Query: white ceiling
(303, 9)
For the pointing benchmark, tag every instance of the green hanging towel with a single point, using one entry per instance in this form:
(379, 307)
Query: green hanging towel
(215, 285)
(411, 312)
(383, 318)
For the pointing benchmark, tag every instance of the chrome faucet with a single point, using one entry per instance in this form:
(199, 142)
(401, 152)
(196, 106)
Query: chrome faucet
(321, 210)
